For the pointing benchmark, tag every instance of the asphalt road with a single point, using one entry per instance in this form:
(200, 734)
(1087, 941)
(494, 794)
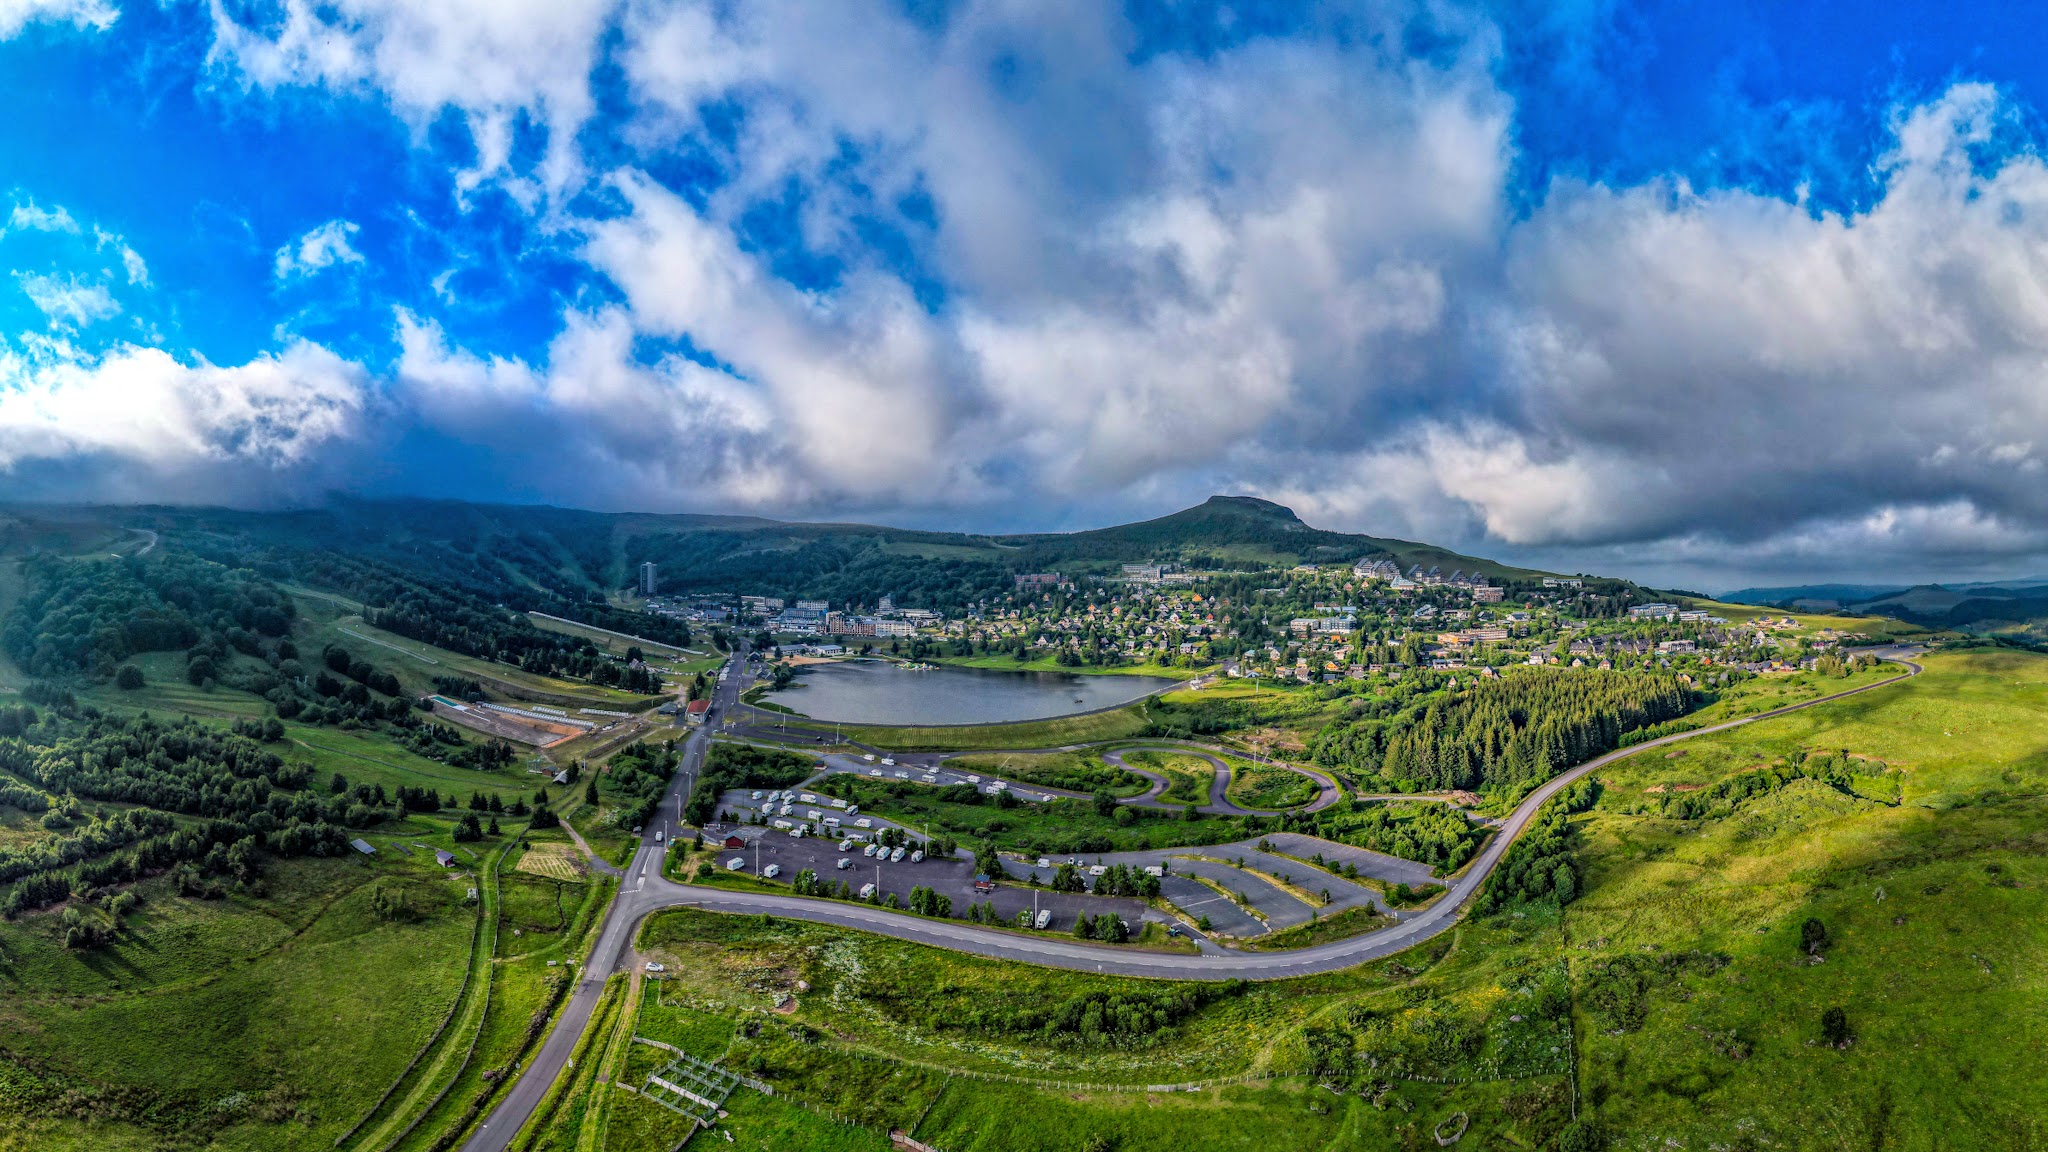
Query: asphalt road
(640, 883)
(644, 891)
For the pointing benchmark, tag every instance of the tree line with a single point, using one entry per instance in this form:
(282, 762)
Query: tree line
(1508, 734)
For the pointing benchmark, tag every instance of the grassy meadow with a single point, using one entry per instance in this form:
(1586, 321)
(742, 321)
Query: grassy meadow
(1673, 1000)
(1188, 776)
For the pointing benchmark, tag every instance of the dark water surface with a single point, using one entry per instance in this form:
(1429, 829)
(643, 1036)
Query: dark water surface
(876, 692)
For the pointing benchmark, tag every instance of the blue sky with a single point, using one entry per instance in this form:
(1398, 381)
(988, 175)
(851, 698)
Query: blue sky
(1717, 293)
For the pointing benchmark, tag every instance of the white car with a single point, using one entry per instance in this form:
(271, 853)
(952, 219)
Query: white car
(974, 779)
(771, 871)
(888, 760)
(654, 966)
(875, 772)
(736, 863)
(868, 756)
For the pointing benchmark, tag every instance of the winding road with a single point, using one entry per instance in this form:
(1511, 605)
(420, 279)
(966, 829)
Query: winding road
(1327, 792)
(645, 891)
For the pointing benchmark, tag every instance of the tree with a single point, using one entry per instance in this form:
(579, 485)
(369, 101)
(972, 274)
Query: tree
(1105, 802)
(338, 785)
(1084, 927)
(129, 677)
(1564, 884)
(590, 792)
(1834, 1028)
(1813, 936)
(1582, 1135)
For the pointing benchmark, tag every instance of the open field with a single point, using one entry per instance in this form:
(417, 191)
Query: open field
(327, 620)
(1190, 776)
(260, 1021)
(1268, 786)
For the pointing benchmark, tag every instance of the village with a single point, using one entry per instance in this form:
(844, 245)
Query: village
(1362, 621)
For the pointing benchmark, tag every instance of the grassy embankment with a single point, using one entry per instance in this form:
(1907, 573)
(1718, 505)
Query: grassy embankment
(1697, 1013)
(1071, 771)
(1059, 732)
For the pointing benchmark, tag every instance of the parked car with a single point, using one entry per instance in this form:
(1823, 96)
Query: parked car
(846, 862)
(1044, 918)
(771, 871)
(736, 863)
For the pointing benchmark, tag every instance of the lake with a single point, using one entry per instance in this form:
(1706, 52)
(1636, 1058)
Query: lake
(878, 692)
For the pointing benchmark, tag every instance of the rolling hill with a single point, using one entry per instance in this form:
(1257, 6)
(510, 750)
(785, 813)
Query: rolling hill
(520, 553)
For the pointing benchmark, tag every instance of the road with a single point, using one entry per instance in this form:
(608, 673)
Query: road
(638, 885)
(645, 891)
(1327, 792)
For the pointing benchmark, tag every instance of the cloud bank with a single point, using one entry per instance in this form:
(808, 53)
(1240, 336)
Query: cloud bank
(1022, 264)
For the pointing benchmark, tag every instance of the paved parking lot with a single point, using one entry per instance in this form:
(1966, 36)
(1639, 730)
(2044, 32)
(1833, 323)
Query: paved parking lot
(954, 877)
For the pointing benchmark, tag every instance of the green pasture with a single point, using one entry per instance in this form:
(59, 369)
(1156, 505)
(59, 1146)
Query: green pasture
(1189, 777)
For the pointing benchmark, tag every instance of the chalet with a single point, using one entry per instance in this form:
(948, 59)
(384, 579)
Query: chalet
(696, 711)
(444, 858)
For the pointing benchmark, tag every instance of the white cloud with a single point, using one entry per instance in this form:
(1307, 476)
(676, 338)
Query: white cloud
(98, 15)
(597, 420)
(152, 427)
(498, 62)
(866, 358)
(1288, 266)
(67, 301)
(35, 219)
(322, 247)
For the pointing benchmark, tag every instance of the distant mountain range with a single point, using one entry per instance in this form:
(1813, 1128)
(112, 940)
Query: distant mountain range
(1988, 606)
(582, 554)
